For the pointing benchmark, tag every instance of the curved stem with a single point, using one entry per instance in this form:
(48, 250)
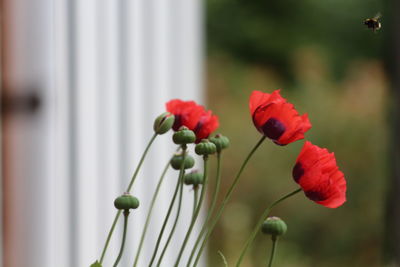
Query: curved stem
(260, 222)
(211, 210)
(171, 205)
(226, 199)
(149, 213)
(126, 214)
(176, 220)
(223, 258)
(109, 236)
(196, 214)
(140, 163)
(103, 253)
(195, 199)
(274, 244)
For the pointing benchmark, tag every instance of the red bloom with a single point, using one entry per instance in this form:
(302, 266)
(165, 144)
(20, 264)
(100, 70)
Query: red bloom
(277, 119)
(207, 124)
(318, 175)
(193, 116)
(187, 113)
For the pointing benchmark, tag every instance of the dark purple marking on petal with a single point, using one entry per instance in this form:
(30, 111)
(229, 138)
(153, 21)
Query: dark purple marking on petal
(177, 122)
(273, 128)
(198, 127)
(297, 172)
(259, 109)
(315, 195)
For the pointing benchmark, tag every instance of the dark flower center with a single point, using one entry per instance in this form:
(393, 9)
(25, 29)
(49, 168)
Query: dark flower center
(177, 122)
(297, 172)
(273, 128)
(315, 195)
(198, 127)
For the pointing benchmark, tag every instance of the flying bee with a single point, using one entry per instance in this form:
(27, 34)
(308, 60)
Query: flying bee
(373, 23)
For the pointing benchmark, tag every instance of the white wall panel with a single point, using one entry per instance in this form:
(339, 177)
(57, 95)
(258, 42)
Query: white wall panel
(104, 69)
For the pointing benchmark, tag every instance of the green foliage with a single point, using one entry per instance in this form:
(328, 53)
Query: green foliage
(269, 33)
(329, 65)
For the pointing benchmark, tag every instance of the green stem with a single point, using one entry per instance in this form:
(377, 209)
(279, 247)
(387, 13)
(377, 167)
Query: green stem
(274, 244)
(223, 258)
(195, 199)
(196, 214)
(171, 205)
(109, 236)
(126, 214)
(140, 163)
(149, 213)
(176, 219)
(259, 224)
(211, 210)
(226, 199)
(103, 253)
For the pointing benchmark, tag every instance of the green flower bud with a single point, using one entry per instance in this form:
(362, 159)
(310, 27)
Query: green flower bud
(176, 161)
(205, 148)
(96, 264)
(163, 123)
(126, 202)
(193, 178)
(184, 136)
(274, 226)
(220, 141)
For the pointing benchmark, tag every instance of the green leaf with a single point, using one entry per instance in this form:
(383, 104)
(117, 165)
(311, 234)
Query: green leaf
(96, 264)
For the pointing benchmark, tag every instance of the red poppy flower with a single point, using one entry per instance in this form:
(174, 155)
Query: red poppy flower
(277, 119)
(207, 124)
(187, 113)
(318, 175)
(193, 116)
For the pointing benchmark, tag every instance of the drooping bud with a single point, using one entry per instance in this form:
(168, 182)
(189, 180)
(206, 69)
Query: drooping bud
(220, 141)
(163, 123)
(184, 136)
(274, 226)
(126, 202)
(193, 178)
(177, 159)
(205, 148)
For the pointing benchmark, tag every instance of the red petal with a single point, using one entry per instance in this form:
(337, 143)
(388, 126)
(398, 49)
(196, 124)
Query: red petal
(320, 178)
(265, 106)
(207, 124)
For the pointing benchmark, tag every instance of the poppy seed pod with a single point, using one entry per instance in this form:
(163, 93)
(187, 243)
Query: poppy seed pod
(126, 202)
(220, 141)
(274, 226)
(163, 123)
(184, 136)
(193, 178)
(205, 148)
(176, 161)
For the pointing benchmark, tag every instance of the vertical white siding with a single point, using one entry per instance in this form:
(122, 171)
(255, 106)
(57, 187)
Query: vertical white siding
(105, 69)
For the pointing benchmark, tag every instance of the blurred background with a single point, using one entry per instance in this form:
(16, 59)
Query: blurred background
(83, 80)
(342, 74)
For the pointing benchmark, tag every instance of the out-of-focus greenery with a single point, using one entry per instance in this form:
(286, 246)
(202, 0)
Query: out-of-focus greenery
(300, 47)
(270, 32)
